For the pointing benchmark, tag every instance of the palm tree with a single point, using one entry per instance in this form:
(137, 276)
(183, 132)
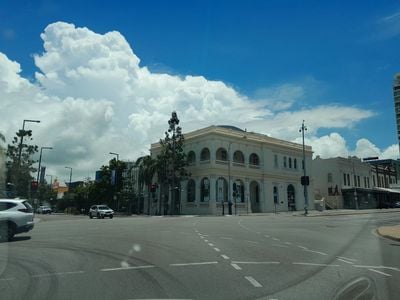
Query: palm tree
(147, 170)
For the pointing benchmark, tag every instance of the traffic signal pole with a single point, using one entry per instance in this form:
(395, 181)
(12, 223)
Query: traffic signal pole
(302, 129)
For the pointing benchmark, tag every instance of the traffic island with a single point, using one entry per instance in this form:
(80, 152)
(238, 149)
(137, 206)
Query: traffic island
(390, 232)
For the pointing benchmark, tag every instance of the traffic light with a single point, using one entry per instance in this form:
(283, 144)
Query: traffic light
(34, 185)
(305, 180)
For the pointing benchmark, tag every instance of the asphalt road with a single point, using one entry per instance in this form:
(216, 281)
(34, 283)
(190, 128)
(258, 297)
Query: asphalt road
(239, 257)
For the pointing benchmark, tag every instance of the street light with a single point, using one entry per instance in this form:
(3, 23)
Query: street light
(116, 154)
(40, 160)
(22, 138)
(302, 129)
(70, 177)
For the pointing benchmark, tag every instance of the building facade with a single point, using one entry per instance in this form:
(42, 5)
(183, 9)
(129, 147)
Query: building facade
(350, 183)
(234, 171)
(396, 95)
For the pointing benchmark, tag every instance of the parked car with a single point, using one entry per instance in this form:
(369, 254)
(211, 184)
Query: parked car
(101, 211)
(396, 204)
(16, 216)
(44, 210)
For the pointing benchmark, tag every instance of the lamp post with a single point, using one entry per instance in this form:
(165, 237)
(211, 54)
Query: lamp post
(22, 138)
(302, 129)
(70, 178)
(229, 180)
(40, 161)
(116, 154)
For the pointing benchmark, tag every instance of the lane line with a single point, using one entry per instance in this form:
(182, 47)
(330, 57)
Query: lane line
(288, 243)
(317, 252)
(7, 279)
(276, 239)
(346, 258)
(127, 268)
(346, 261)
(282, 246)
(235, 266)
(194, 264)
(253, 242)
(211, 244)
(216, 249)
(267, 236)
(254, 282)
(380, 272)
(225, 256)
(377, 267)
(57, 274)
(206, 241)
(256, 262)
(314, 264)
(226, 238)
(301, 247)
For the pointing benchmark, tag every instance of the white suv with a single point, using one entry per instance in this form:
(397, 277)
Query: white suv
(16, 216)
(101, 211)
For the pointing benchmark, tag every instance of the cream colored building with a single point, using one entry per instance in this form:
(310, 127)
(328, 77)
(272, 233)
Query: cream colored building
(263, 173)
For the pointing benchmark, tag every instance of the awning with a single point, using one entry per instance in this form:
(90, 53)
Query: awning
(380, 189)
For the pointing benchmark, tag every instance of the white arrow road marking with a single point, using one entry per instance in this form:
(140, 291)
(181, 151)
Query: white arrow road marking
(254, 282)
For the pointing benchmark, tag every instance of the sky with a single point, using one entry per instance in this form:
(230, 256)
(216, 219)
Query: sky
(105, 76)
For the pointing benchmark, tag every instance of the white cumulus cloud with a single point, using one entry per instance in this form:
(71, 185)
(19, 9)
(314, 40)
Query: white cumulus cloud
(93, 96)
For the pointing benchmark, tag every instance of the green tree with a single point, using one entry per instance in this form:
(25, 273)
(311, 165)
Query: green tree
(172, 162)
(19, 167)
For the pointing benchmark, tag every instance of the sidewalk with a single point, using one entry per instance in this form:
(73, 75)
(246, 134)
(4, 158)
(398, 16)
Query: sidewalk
(343, 212)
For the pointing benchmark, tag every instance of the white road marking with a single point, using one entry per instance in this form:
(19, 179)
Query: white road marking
(254, 282)
(314, 264)
(224, 256)
(253, 242)
(377, 267)
(206, 241)
(380, 272)
(276, 239)
(301, 247)
(217, 249)
(194, 264)
(127, 268)
(236, 266)
(346, 261)
(267, 236)
(346, 258)
(288, 243)
(226, 238)
(7, 279)
(256, 262)
(317, 252)
(277, 245)
(57, 274)
(211, 244)
(202, 237)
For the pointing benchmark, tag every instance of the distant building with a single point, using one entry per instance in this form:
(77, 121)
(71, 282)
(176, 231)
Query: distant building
(350, 183)
(396, 94)
(250, 171)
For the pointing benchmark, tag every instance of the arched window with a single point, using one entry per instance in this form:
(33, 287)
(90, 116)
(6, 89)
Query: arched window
(295, 163)
(238, 191)
(191, 191)
(222, 154)
(254, 160)
(205, 154)
(222, 190)
(191, 158)
(290, 162)
(205, 190)
(285, 162)
(238, 157)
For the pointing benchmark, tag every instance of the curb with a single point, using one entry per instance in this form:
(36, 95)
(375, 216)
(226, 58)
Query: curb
(387, 236)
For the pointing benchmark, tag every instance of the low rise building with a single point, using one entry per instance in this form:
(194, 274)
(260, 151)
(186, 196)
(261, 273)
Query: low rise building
(243, 171)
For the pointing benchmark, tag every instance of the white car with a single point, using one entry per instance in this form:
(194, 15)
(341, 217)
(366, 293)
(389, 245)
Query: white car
(16, 216)
(101, 211)
(43, 210)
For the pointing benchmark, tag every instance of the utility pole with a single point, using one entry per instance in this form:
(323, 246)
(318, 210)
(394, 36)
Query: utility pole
(303, 128)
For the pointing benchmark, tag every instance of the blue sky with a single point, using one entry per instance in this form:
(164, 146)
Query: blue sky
(342, 53)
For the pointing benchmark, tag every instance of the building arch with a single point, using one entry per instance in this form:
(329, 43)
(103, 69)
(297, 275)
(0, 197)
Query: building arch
(222, 154)
(254, 159)
(205, 154)
(191, 191)
(291, 194)
(238, 157)
(205, 190)
(191, 158)
(255, 197)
